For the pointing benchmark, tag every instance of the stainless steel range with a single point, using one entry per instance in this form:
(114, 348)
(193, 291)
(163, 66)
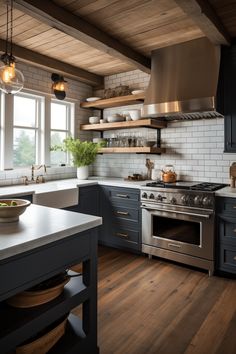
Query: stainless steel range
(178, 222)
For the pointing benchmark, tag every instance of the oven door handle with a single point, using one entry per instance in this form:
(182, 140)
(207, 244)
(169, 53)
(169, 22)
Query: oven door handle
(206, 216)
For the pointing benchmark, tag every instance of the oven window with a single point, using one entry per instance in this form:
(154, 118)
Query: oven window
(178, 230)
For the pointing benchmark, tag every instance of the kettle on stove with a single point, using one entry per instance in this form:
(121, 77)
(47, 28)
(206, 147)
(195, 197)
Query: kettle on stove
(168, 174)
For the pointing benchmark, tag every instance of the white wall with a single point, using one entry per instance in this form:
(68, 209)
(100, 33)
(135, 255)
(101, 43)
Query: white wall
(40, 80)
(195, 148)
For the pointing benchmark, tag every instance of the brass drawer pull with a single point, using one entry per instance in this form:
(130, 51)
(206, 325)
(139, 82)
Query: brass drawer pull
(122, 195)
(119, 234)
(122, 212)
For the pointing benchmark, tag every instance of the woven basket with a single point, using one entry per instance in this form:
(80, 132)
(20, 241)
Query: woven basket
(31, 298)
(44, 343)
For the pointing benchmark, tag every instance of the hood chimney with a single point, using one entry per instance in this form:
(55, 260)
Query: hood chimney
(183, 83)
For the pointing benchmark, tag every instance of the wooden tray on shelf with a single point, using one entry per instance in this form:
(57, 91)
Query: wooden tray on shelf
(34, 297)
(42, 344)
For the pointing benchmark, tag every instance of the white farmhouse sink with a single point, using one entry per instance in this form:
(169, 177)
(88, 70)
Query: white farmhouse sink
(56, 197)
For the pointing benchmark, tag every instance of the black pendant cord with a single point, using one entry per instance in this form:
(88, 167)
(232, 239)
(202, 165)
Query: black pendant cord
(11, 27)
(7, 33)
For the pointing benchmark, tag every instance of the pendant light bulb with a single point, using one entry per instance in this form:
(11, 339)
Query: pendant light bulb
(11, 79)
(8, 73)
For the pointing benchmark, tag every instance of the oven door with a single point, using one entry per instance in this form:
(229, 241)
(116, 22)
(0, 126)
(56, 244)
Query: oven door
(183, 231)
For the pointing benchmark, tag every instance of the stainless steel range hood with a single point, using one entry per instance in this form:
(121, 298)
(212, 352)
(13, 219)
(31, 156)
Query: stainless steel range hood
(183, 83)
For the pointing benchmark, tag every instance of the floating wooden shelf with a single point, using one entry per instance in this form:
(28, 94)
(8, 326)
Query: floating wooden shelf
(114, 101)
(131, 150)
(146, 123)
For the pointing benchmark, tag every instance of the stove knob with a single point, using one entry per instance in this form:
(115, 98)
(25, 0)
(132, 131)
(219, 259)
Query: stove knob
(151, 196)
(144, 195)
(159, 198)
(185, 199)
(207, 201)
(197, 200)
(173, 200)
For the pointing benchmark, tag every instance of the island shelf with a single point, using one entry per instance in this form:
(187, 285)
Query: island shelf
(61, 248)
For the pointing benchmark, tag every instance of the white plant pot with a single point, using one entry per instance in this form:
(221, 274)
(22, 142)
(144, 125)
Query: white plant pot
(82, 172)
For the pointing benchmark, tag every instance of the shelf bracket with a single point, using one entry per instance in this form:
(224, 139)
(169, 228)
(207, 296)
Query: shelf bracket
(158, 137)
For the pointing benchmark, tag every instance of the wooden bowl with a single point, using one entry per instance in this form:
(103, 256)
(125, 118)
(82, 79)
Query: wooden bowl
(31, 298)
(42, 344)
(13, 209)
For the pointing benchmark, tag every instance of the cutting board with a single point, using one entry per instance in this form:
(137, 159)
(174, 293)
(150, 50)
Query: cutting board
(232, 170)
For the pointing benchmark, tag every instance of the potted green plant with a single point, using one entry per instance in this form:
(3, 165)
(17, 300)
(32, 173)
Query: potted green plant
(83, 154)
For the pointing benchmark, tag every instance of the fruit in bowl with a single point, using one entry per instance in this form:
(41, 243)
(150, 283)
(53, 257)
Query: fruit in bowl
(11, 209)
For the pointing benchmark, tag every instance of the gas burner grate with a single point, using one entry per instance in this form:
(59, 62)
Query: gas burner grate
(162, 184)
(208, 187)
(204, 186)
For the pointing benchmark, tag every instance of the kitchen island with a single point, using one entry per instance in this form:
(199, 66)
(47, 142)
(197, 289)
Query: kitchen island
(44, 242)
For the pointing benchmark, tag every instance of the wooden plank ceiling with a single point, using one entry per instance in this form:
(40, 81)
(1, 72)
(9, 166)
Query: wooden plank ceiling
(141, 25)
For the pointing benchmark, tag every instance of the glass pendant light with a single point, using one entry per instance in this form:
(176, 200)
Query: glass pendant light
(11, 79)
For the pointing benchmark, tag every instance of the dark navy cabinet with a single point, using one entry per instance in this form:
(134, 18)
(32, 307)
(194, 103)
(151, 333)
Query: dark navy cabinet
(227, 94)
(226, 234)
(120, 209)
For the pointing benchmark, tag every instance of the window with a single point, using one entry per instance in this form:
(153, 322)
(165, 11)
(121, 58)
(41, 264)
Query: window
(61, 128)
(30, 124)
(26, 130)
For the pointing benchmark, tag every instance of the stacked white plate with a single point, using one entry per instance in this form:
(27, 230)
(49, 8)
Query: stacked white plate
(112, 119)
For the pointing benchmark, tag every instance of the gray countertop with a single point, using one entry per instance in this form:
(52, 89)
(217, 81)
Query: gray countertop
(66, 184)
(226, 192)
(40, 226)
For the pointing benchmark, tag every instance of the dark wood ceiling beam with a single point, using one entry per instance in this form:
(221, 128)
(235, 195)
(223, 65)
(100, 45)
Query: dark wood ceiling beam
(48, 63)
(57, 17)
(206, 19)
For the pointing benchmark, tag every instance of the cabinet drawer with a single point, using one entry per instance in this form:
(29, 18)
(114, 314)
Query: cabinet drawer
(125, 234)
(124, 194)
(125, 238)
(124, 212)
(227, 230)
(228, 258)
(227, 206)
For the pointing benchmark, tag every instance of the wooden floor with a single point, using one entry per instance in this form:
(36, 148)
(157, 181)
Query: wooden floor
(157, 307)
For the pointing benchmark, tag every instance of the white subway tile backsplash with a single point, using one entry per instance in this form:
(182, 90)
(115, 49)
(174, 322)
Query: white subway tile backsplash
(195, 148)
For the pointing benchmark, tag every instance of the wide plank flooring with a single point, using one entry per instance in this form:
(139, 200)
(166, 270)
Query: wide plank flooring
(157, 307)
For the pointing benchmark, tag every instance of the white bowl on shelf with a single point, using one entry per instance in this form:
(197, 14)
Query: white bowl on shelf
(115, 118)
(94, 120)
(137, 92)
(92, 99)
(135, 114)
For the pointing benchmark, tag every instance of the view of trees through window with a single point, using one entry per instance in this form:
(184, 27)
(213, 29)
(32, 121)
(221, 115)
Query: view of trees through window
(25, 130)
(60, 129)
(24, 149)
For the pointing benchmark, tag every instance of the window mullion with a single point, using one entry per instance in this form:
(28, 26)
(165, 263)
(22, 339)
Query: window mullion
(47, 128)
(8, 136)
